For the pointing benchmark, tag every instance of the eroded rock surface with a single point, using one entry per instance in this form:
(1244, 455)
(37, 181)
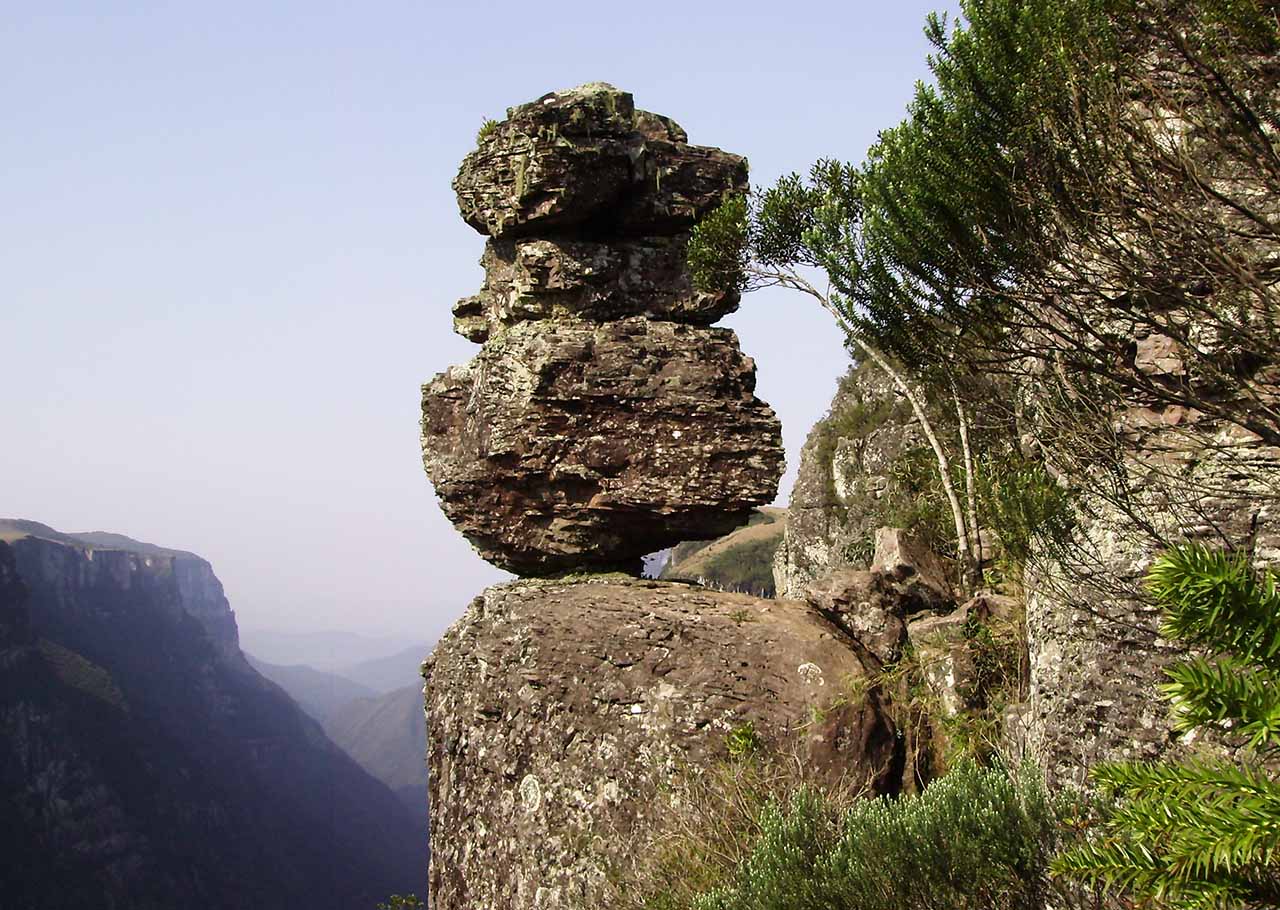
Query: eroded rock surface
(603, 418)
(561, 278)
(844, 481)
(586, 159)
(592, 445)
(559, 712)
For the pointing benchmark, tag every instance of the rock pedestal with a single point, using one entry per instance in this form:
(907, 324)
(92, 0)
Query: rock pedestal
(559, 715)
(603, 418)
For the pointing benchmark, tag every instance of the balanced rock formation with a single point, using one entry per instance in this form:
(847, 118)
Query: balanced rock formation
(560, 715)
(603, 418)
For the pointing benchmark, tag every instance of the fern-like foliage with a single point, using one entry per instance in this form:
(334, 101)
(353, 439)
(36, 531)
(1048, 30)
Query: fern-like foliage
(1199, 834)
(1214, 600)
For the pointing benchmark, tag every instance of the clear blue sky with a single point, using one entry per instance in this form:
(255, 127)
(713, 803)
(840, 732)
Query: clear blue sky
(228, 249)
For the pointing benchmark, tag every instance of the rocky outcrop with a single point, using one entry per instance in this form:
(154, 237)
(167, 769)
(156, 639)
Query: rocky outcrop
(569, 445)
(844, 484)
(559, 712)
(906, 580)
(586, 160)
(603, 419)
(1096, 656)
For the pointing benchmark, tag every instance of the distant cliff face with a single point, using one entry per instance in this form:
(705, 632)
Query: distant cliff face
(144, 764)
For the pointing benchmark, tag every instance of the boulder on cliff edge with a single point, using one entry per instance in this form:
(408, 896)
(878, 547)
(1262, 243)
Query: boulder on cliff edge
(559, 713)
(590, 445)
(603, 419)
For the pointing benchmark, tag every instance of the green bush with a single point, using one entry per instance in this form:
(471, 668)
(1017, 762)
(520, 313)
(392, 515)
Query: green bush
(719, 248)
(1028, 509)
(976, 838)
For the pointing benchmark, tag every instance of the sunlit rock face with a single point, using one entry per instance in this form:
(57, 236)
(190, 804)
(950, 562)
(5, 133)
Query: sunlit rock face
(603, 418)
(561, 714)
(586, 161)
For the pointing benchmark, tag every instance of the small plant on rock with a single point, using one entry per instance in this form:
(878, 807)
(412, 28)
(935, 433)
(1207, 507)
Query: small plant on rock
(486, 129)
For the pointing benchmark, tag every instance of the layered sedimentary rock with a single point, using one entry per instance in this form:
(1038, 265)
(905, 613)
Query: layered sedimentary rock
(603, 418)
(588, 445)
(560, 713)
(1096, 656)
(586, 159)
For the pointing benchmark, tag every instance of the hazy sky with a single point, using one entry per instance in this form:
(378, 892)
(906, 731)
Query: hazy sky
(228, 250)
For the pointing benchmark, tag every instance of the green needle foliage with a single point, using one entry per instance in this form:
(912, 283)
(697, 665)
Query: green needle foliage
(1202, 834)
(976, 838)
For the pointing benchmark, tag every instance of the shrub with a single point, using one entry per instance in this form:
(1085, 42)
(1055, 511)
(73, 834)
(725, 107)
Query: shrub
(710, 821)
(976, 838)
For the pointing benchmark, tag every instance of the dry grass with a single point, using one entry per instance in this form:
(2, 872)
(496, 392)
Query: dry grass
(708, 823)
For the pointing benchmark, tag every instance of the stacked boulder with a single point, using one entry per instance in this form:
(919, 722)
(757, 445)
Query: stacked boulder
(603, 418)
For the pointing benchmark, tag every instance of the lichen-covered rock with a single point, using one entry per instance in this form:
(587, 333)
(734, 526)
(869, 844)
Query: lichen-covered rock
(868, 605)
(585, 159)
(906, 579)
(905, 558)
(843, 481)
(564, 445)
(558, 278)
(558, 714)
(943, 652)
(602, 420)
(1096, 657)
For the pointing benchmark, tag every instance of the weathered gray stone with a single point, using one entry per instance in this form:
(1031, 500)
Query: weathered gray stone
(913, 565)
(905, 580)
(943, 648)
(1096, 656)
(558, 714)
(534, 279)
(842, 480)
(586, 160)
(939, 644)
(867, 605)
(564, 445)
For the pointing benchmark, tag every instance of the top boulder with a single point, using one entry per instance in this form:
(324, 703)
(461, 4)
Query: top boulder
(584, 162)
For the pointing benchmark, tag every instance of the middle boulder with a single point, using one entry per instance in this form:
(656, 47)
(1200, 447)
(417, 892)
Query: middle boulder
(603, 418)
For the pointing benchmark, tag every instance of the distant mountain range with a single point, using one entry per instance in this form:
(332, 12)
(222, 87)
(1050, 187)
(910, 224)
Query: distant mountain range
(387, 735)
(145, 764)
(316, 692)
(325, 649)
